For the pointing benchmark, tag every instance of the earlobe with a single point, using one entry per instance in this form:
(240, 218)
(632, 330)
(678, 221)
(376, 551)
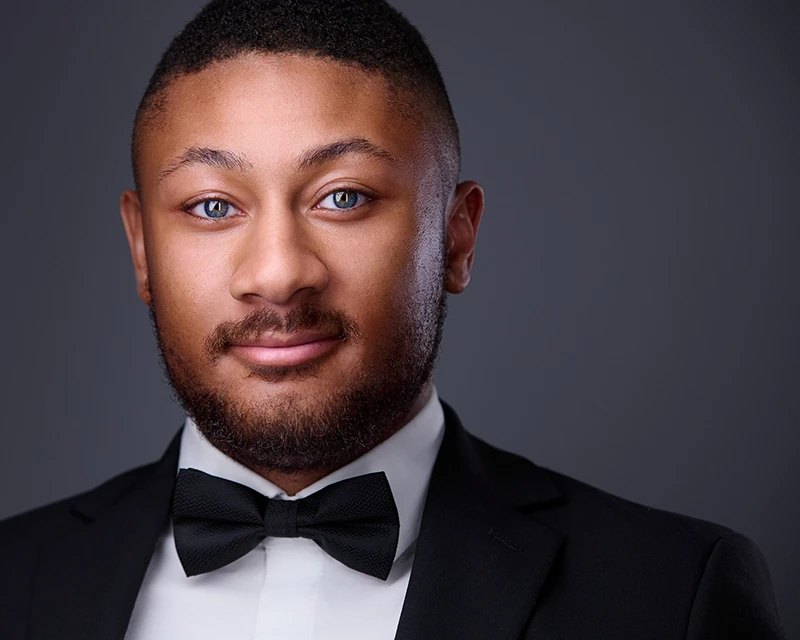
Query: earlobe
(462, 224)
(130, 208)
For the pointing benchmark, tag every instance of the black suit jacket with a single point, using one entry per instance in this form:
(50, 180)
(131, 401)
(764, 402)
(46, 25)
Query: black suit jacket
(506, 550)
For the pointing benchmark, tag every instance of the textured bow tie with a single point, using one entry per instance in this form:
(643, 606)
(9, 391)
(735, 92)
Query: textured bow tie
(217, 521)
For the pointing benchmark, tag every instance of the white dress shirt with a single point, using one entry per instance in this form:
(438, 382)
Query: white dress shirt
(288, 588)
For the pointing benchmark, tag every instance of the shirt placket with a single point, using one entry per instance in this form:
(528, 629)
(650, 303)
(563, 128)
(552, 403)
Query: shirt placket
(287, 608)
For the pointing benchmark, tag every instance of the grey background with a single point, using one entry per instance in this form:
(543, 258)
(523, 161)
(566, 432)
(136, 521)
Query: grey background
(633, 315)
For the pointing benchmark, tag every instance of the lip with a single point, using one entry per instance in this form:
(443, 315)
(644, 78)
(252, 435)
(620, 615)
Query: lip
(286, 350)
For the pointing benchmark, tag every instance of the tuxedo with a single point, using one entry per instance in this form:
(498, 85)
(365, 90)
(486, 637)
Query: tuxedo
(506, 550)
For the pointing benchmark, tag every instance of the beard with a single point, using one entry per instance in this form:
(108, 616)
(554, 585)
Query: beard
(296, 433)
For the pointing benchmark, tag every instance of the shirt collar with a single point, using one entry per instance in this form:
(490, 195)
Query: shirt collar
(407, 459)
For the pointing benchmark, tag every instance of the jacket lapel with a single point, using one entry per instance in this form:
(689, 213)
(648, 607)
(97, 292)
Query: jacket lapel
(480, 563)
(479, 566)
(88, 580)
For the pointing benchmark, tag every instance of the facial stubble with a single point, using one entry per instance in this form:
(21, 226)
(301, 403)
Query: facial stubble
(296, 434)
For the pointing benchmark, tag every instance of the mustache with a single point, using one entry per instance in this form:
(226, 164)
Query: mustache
(306, 317)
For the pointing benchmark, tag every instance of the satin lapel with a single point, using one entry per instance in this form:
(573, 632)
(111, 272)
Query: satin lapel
(87, 582)
(480, 563)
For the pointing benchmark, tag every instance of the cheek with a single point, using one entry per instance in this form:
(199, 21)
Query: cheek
(389, 275)
(186, 280)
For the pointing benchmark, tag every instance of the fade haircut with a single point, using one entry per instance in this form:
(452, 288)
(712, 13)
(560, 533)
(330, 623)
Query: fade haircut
(369, 34)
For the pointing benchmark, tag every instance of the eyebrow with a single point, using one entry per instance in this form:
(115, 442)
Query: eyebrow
(356, 146)
(311, 158)
(217, 158)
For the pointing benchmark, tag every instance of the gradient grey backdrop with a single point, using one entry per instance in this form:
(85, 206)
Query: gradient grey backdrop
(633, 315)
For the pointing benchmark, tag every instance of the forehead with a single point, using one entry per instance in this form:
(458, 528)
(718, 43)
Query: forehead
(271, 108)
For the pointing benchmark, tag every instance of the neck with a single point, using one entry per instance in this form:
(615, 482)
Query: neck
(293, 483)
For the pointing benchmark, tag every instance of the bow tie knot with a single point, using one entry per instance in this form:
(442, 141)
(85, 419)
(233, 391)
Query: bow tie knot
(280, 519)
(217, 521)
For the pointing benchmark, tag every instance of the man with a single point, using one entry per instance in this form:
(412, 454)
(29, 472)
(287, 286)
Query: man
(295, 229)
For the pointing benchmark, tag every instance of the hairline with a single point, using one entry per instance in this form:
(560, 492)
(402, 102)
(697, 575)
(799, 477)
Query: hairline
(429, 114)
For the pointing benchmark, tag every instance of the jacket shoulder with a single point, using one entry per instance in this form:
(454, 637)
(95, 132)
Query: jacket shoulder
(34, 527)
(602, 511)
(24, 537)
(623, 560)
(585, 507)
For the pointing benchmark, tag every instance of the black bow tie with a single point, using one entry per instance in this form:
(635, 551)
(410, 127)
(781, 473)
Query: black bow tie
(217, 521)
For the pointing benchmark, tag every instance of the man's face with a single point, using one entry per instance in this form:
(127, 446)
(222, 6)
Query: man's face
(291, 239)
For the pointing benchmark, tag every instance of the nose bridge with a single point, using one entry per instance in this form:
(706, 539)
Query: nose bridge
(276, 258)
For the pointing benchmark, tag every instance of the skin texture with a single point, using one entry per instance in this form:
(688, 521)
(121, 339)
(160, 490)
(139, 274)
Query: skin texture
(378, 270)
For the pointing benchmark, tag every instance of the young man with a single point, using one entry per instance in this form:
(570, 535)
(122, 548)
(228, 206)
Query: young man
(296, 227)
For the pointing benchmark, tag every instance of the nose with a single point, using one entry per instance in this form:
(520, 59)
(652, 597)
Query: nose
(276, 261)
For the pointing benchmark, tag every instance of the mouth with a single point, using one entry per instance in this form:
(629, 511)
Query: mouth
(286, 350)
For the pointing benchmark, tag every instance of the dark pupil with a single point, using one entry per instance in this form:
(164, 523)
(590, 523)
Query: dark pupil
(216, 208)
(345, 199)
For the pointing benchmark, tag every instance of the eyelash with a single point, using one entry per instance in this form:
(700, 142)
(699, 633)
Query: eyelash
(187, 208)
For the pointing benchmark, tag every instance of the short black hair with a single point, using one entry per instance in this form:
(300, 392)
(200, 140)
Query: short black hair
(369, 34)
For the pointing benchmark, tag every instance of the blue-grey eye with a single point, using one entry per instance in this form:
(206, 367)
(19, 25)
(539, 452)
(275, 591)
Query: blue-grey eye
(215, 208)
(343, 200)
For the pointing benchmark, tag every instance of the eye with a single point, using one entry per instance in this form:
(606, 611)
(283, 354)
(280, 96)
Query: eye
(212, 209)
(344, 199)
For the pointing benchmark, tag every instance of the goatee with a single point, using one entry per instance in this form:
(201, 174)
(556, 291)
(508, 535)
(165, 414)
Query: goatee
(294, 435)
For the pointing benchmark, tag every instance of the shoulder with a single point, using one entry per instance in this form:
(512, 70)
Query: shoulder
(35, 527)
(625, 559)
(621, 560)
(717, 576)
(605, 513)
(61, 525)
(23, 537)
(577, 507)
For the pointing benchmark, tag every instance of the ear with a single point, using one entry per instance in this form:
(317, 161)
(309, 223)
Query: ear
(461, 231)
(130, 207)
